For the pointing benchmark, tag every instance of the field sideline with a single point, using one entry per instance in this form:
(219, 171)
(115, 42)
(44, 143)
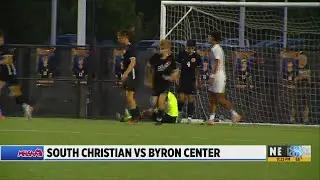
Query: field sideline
(59, 131)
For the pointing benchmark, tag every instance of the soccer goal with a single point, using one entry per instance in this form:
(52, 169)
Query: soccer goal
(272, 55)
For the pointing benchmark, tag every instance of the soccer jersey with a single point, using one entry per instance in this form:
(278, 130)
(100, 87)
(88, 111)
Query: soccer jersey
(303, 72)
(188, 64)
(289, 77)
(161, 67)
(243, 77)
(172, 105)
(126, 60)
(6, 69)
(205, 74)
(217, 53)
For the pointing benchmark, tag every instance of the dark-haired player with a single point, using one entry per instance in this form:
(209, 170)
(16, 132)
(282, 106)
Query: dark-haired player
(218, 80)
(189, 61)
(162, 71)
(129, 74)
(8, 76)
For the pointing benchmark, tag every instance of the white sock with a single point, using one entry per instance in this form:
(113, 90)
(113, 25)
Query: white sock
(126, 111)
(212, 116)
(234, 113)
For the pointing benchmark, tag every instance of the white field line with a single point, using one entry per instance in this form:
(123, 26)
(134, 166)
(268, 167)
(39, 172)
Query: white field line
(121, 134)
(271, 124)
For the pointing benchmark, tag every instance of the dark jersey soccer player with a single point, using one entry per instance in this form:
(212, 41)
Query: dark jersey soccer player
(129, 74)
(8, 76)
(189, 61)
(162, 72)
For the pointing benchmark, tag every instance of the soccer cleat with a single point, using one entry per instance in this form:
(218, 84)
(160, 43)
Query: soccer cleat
(1, 116)
(189, 120)
(28, 112)
(210, 123)
(158, 123)
(236, 119)
(120, 117)
(132, 121)
(180, 116)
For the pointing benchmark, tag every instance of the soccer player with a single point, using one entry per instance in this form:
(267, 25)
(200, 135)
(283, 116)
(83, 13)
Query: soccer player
(218, 80)
(129, 74)
(303, 80)
(8, 76)
(190, 62)
(163, 72)
(171, 110)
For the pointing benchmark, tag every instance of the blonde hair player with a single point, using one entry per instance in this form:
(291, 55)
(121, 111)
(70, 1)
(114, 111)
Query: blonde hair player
(161, 73)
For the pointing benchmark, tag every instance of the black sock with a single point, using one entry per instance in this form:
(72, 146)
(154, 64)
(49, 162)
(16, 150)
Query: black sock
(180, 106)
(132, 112)
(160, 115)
(19, 100)
(190, 109)
(135, 113)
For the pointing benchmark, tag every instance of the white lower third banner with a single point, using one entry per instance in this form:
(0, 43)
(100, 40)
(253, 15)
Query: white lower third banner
(133, 153)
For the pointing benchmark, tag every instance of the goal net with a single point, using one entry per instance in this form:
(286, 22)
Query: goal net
(272, 56)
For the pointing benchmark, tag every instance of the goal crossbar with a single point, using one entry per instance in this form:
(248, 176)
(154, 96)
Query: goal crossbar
(245, 4)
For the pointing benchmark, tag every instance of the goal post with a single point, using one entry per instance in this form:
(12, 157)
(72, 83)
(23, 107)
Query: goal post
(256, 35)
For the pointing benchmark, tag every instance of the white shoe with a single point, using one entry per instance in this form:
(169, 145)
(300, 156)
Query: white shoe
(189, 120)
(28, 112)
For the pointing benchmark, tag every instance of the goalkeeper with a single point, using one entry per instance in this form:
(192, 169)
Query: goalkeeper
(171, 109)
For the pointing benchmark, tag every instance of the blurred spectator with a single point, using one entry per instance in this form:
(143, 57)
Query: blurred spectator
(303, 88)
(205, 70)
(288, 95)
(45, 67)
(244, 79)
(243, 62)
(80, 64)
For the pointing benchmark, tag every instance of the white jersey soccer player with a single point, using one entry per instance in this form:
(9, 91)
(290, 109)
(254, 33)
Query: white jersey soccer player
(218, 80)
(219, 83)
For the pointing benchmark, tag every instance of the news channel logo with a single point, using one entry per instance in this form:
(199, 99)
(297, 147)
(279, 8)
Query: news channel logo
(299, 151)
(17, 153)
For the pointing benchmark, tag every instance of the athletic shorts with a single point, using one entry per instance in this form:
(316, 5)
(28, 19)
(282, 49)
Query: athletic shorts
(166, 118)
(218, 85)
(187, 87)
(8, 79)
(131, 84)
(161, 88)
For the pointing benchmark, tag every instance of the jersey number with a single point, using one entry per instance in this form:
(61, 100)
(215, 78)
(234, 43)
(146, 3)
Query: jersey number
(188, 64)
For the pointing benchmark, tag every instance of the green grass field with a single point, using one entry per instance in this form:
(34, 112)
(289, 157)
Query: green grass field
(92, 132)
